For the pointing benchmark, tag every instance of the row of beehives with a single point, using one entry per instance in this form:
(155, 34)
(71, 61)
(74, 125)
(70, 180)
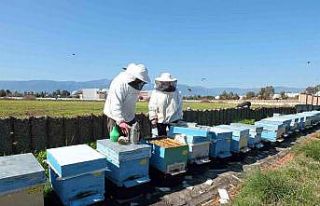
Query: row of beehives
(77, 173)
(223, 140)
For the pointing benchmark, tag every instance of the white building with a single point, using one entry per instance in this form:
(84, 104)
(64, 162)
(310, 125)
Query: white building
(144, 95)
(276, 96)
(292, 95)
(90, 94)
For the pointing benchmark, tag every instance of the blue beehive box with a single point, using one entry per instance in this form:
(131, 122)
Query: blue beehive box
(220, 142)
(197, 141)
(240, 138)
(293, 119)
(306, 120)
(309, 119)
(315, 116)
(198, 152)
(282, 123)
(128, 164)
(272, 131)
(77, 174)
(254, 134)
(193, 135)
(300, 121)
(18, 175)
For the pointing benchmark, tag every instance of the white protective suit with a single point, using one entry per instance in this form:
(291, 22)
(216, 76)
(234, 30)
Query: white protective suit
(166, 106)
(121, 101)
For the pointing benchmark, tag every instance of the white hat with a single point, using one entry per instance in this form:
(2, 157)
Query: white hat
(166, 77)
(138, 71)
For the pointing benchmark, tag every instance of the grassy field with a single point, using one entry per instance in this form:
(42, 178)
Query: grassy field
(21, 108)
(295, 183)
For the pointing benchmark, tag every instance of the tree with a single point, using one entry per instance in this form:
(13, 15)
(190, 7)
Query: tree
(229, 96)
(250, 95)
(65, 93)
(8, 92)
(224, 95)
(283, 95)
(17, 94)
(3, 93)
(266, 92)
(312, 90)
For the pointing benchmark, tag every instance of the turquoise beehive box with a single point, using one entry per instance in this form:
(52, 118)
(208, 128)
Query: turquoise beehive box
(169, 156)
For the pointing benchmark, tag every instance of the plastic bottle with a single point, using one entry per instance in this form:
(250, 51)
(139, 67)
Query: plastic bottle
(114, 134)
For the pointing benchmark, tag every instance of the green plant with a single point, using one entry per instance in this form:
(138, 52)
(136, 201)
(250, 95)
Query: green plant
(247, 121)
(93, 145)
(41, 157)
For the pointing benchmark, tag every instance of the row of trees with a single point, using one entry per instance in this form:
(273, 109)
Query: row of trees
(312, 90)
(55, 94)
(265, 93)
(229, 96)
(198, 97)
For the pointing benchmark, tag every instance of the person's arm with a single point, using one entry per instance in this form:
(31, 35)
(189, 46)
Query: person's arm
(116, 99)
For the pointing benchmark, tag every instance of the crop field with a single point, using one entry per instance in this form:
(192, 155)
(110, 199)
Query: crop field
(22, 108)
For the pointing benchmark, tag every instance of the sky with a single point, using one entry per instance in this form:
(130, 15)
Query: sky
(231, 43)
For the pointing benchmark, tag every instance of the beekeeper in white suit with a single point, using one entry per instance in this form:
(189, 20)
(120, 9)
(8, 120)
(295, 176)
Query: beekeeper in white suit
(165, 105)
(120, 105)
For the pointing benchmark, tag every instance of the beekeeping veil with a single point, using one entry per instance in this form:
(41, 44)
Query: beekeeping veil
(166, 83)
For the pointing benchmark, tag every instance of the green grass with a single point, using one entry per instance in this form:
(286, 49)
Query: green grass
(296, 183)
(311, 150)
(22, 108)
(247, 121)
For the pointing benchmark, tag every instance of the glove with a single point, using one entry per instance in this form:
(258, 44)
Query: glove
(125, 128)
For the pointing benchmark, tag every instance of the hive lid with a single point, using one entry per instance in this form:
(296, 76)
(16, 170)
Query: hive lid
(218, 130)
(117, 152)
(253, 128)
(236, 131)
(195, 131)
(74, 160)
(270, 122)
(122, 148)
(20, 171)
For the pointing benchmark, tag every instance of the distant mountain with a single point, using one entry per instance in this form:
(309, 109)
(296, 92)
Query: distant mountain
(240, 91)
(49, 86)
